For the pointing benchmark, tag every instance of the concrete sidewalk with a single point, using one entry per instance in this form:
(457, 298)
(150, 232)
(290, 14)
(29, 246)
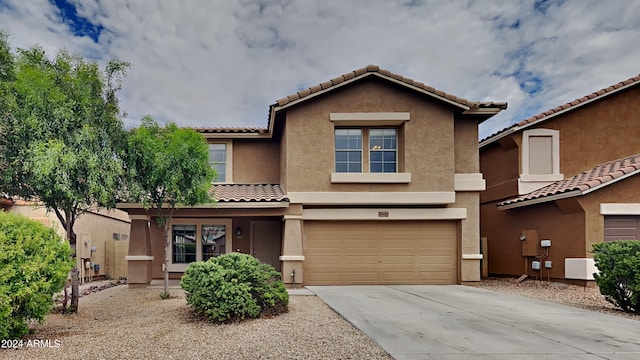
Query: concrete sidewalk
(460, 322)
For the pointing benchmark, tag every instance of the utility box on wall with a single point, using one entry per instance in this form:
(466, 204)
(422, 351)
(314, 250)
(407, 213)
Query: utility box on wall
(579, 268)
(530, 240)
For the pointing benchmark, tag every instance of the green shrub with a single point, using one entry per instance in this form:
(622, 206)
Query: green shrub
(619, 277)
(34, 263)
(234, 286)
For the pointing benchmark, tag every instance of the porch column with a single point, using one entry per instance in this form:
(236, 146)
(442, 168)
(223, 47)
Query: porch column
(139, 259)
(292, 250)
(470, 234)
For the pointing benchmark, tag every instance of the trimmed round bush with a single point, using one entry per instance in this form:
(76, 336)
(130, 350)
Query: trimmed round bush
(619, 277)
(234, 287)
(34, 264)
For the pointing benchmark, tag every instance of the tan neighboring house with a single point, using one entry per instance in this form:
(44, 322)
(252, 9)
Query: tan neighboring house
(101, 237)
(368, 178)
(567, 175)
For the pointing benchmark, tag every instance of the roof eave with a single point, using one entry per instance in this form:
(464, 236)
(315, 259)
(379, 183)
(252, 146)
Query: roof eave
(275, 108)
(540, 200)
(498, 136)
(555, 114)
(216, 205)
(266, 135)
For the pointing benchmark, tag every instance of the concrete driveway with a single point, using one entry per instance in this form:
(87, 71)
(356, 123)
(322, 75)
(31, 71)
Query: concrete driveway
(461, 322)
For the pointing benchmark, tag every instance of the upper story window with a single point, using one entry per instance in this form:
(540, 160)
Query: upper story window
(369, 147)
(220, 160)
(383, 150)
(540, 159)
(381, 153)
(348, 150)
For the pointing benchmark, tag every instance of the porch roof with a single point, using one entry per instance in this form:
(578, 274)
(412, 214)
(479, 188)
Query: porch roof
(224, 193)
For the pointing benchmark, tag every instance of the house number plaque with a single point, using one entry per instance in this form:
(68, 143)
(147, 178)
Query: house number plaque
(383, 214)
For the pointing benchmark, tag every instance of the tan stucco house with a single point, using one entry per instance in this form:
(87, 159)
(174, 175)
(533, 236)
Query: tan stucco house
(101, 237)
(368, 178)
(568, 175)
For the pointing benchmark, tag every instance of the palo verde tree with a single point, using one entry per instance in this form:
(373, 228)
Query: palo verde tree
(167, 167)
(62, 136)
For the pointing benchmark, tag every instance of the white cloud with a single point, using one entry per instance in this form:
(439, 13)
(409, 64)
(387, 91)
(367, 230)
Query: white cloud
(222, 63)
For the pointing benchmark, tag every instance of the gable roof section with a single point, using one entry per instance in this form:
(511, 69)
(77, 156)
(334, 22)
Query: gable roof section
(558, 110)
(248, 193)
(587, 181)
(469, 107)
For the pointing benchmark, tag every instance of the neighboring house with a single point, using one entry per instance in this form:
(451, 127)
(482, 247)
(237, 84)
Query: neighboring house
(98, 235)
(369, 178)
(567, 175)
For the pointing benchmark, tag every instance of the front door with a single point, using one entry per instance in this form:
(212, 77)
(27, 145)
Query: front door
(266, 241)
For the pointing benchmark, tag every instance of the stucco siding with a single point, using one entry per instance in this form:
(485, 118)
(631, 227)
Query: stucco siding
(427, 137)
(256, 161)
(503, 228)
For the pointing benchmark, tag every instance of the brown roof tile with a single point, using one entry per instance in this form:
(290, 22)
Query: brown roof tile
(407, 81)
(586, 180)
(247, 193)
(231, 130)
(574, 103)
(577, 102)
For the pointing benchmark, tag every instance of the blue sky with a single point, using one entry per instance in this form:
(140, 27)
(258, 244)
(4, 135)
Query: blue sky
(222, 63)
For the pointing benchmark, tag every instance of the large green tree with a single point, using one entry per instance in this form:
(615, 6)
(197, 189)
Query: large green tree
(167, 167)
(62, 134)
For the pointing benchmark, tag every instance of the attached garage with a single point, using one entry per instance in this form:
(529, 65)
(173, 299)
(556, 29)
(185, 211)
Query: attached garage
(380, 252)
(621, 227)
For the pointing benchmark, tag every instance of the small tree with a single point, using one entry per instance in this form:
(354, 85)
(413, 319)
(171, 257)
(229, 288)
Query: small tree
(34, 263)
(618, 263)
(61, 135)
(167, 167)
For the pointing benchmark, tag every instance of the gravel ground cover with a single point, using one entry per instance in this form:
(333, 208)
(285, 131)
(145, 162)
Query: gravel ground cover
(123, 323)
(588, 297)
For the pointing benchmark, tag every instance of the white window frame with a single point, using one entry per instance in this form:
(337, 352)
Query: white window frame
(529, 182)
(199, 222)
(367, 121)
(228, 160)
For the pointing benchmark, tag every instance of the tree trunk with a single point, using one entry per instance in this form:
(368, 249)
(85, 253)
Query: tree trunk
(167, 243)
(75, 290)
(75, 283)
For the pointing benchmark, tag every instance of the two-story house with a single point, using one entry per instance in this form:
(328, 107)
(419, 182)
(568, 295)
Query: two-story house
(566, 175)
(368, 178)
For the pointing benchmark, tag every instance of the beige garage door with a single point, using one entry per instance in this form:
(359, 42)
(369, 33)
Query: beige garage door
(380, 252)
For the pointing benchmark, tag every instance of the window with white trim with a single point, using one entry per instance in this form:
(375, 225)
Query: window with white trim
(381, 155)
(348, 150)
(540, 159)
(221, 160)
(218, 160)
(383, 150)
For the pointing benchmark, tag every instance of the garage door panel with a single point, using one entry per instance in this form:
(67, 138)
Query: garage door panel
(360, 259)
(397, 260)
(398, 276)
(380, 252)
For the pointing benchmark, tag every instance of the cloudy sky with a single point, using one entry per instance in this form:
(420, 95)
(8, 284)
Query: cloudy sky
(222, 63)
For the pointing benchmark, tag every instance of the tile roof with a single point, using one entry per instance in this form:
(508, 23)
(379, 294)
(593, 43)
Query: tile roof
(373, 69)
(247, 193)
(231, 130)
(596, 95)
(583, 183)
